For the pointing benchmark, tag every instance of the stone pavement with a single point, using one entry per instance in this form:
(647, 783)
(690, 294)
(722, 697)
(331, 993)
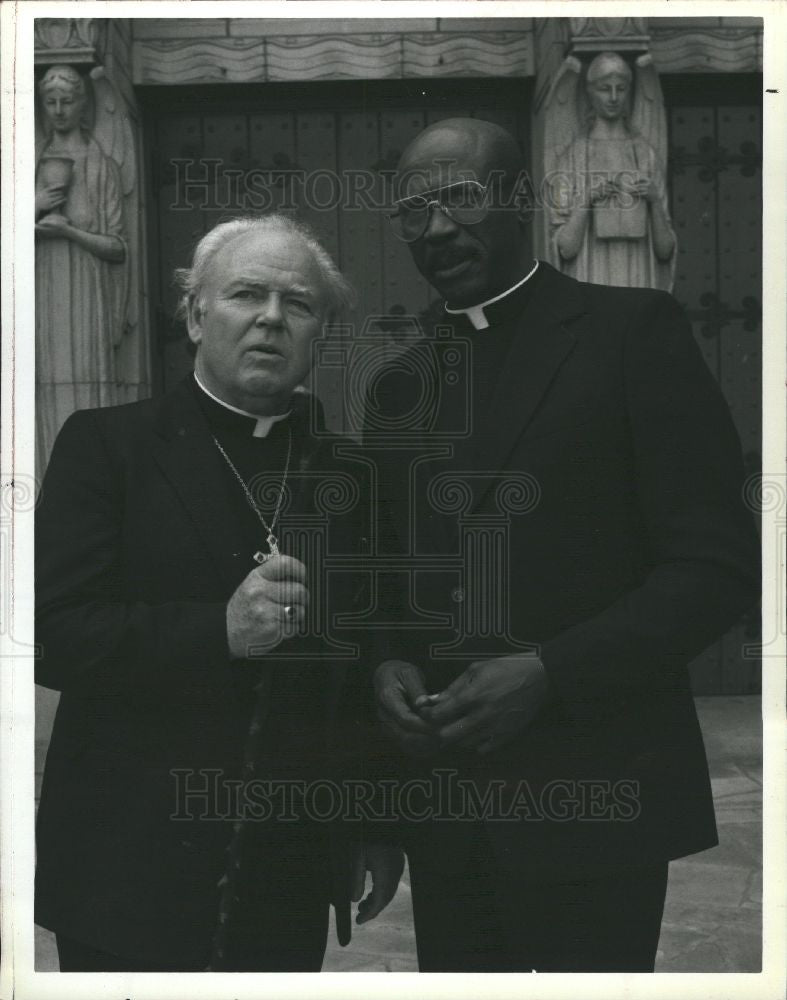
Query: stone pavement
(712, 919)
(713, 915)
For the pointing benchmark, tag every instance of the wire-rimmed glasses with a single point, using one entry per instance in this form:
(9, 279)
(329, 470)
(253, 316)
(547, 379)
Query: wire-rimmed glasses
(466, 202)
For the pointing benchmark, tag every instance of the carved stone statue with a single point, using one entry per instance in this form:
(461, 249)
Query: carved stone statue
(606, 160)
(83, 272)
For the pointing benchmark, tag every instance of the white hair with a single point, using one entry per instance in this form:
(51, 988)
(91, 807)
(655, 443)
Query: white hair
(341, 296)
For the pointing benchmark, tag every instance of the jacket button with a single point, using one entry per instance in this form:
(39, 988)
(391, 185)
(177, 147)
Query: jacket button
(458, 595)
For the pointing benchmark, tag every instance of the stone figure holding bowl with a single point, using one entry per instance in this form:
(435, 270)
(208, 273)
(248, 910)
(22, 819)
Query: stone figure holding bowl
(82, 260)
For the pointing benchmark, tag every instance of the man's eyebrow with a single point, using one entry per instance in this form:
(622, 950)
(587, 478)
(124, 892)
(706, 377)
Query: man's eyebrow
(256, 283)
(241, 279)
(302, 290)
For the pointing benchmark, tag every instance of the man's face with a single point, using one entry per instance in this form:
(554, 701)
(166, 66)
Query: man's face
(263, 303)
(467, 264)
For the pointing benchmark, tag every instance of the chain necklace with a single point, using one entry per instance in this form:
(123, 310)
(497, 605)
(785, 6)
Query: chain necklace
(271, 539)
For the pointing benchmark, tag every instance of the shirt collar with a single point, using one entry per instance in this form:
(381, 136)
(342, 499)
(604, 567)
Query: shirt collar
(262, 425)
(486, 314)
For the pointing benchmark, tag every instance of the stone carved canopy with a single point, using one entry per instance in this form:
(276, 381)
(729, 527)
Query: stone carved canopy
(618, 34)
(74, 40)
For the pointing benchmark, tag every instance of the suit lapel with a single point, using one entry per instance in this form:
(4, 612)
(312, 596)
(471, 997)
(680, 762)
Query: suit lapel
(542, 343)
(452, 413)
(186, 455)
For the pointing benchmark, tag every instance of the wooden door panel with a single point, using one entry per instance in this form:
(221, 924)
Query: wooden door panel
(177, 227)
(316, 157)
(405, 290)
(318, 197)
(360, 229)
(715, 179)
(224, 138)
(694, 218)
(272, 148)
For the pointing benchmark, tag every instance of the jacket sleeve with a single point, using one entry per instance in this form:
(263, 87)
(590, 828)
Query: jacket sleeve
(90, 631)
(363, 759)
(702, 541)
(390, 640)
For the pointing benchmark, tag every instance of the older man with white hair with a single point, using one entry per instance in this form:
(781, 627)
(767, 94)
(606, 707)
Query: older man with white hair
(176, 625)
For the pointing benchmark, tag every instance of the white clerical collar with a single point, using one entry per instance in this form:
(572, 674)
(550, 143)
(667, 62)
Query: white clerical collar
(263, 424)
(476, 314)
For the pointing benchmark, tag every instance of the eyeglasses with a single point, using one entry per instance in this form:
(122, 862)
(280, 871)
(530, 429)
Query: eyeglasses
(464, 201)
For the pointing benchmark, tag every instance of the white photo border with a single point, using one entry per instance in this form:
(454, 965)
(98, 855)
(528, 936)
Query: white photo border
(17, 975)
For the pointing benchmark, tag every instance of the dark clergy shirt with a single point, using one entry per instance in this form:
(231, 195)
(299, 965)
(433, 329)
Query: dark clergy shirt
(291, 739)
(260, 462)
(286, 700)
(489, 350)
(490, 346)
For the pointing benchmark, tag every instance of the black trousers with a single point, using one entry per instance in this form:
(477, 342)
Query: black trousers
(278, 924)
(78, 957)
(273, 942)
(471, 916)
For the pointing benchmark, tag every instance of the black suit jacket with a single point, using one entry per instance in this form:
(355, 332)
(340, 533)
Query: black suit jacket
(137, 553)
(623, 550)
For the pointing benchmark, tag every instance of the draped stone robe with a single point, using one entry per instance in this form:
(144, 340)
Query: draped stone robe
(81, 302)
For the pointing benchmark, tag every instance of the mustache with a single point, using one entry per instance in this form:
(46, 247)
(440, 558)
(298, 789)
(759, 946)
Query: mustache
(449, 257)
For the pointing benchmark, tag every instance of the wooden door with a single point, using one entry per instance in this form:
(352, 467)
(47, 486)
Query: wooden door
(315, 146)
(715, 175)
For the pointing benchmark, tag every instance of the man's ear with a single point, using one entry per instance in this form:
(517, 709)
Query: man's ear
(525, 200)
(524, 214)
(194, 319)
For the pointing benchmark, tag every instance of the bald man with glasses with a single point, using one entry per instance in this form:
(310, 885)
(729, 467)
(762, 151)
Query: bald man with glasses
(571, 725)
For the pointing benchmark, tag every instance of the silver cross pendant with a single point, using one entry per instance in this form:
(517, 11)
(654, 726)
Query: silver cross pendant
(273, 549)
